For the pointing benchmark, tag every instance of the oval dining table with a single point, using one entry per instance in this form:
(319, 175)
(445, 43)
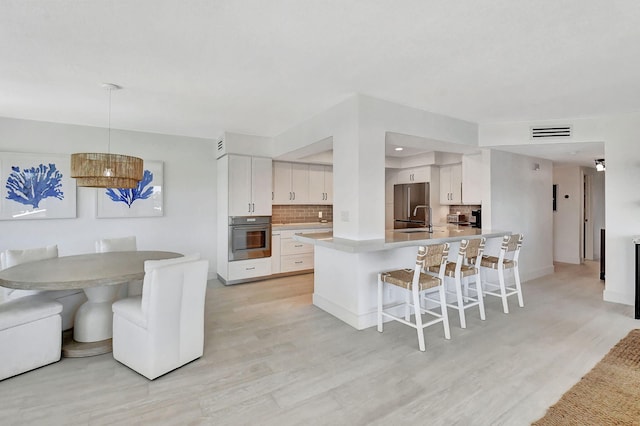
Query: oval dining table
(100, 275)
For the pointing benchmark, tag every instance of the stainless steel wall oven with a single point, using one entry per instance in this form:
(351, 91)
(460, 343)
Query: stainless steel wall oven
(249, 237)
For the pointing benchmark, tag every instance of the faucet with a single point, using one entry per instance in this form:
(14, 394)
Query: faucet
(428, 208)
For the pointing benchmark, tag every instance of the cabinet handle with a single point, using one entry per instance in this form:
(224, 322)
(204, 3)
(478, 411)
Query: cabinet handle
(253, 207)
(250, 269)
(298, 245)
(294, 195)
(298, 262)
(271, 195)
(249, 208)
(290, 196)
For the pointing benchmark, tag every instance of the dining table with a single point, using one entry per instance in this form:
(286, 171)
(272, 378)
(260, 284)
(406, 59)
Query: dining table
(100, 276)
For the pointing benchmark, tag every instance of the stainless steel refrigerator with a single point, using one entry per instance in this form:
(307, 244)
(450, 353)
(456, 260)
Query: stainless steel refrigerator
(411, 205)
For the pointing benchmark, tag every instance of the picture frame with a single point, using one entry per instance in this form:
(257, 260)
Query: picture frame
(146, 200)
(36, 186)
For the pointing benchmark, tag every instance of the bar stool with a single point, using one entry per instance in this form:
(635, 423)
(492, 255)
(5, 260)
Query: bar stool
(415, 282)
(507, 259)
(466, 267)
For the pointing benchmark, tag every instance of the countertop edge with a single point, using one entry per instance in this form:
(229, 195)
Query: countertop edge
(327, 240)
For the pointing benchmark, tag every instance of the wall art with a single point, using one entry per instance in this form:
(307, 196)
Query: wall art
(145, 200)
(36, 186)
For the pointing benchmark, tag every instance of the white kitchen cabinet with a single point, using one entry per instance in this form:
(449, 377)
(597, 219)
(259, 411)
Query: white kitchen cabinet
(249, 186)
(290, 183)
(320, 184)
(451, 184)
(414, 175)
(294, 256)
(252, 268)
(472, 172)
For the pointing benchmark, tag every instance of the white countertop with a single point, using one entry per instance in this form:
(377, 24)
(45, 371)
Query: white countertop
(305, 225)
(395, 239)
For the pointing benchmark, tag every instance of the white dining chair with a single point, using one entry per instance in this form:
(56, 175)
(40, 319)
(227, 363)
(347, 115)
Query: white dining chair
(164, 328)
(70, 299)
(106, 245)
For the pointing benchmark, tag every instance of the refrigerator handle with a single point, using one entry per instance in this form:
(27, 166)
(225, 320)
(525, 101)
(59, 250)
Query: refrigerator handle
(408, 202)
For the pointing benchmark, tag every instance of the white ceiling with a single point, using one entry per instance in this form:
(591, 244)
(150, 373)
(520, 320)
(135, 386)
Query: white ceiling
(197, 67)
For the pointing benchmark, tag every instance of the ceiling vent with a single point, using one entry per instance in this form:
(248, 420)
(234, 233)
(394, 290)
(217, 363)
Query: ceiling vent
(541, 133)
(221, 149)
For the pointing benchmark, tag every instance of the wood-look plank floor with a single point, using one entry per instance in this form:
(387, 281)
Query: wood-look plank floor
(272, 358)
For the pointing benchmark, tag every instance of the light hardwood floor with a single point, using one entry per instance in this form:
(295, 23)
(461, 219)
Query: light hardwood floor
(272, 358)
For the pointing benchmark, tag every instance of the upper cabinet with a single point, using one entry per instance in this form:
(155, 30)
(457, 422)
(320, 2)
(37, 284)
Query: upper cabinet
(320, 184)
(413, 175)
(249, 186)
(290, 183)
(472, 179)
(451, 184)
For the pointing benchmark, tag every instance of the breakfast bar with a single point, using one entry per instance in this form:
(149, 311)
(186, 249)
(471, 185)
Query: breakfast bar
(346, 270)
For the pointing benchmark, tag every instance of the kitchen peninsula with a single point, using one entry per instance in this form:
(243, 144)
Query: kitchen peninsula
(346, 270)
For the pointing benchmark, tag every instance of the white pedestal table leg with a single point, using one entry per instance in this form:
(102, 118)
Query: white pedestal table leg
(94, 319)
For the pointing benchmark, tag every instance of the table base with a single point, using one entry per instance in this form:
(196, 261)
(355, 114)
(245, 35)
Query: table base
(73, 349)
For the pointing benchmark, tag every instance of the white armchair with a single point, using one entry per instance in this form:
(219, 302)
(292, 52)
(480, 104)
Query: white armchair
(70, 299)
(164, 328)
(132, 288)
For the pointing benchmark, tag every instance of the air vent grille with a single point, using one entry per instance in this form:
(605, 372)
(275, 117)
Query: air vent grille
(220, 145)
(550, 132)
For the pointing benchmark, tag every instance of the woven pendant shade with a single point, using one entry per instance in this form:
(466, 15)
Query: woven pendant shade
(101, 170)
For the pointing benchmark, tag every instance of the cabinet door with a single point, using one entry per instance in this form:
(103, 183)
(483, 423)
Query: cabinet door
(328, 185)
(300, 183)
(261, 186)
(282, 193)
(445, 185)
(316, 184)
(422, 174)
(239, 185)
(405, 176)
(472, 179)
(456, 184)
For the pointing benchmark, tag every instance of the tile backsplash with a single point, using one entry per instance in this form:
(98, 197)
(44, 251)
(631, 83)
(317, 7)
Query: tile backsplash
(465, 210)
(300, 213)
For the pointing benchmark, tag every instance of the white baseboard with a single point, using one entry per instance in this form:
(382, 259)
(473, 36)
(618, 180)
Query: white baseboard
(359, 322)
(616, 297)
(532, 275)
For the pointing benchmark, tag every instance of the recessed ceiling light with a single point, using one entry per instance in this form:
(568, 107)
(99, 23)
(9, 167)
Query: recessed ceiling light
(399, 148)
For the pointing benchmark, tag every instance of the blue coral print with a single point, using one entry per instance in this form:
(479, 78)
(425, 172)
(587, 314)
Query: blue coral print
(31, 186)
(128, 196)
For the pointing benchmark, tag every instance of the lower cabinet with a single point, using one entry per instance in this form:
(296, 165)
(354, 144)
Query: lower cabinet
(292, 255)
(252, 268)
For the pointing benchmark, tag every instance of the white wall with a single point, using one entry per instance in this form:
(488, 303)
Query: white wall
(620, 135)
(567, 218)
(189, 191)
(521, 202)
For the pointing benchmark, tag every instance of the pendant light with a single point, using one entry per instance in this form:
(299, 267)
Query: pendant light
(106, 170)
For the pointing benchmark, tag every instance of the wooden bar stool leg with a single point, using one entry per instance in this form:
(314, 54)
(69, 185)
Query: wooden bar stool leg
(418, 315)
(516, 274)
(503, 290)
(480, 295)
(445, 315)
(458, 284)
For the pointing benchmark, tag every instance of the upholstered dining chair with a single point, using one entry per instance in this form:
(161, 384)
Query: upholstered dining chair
(507, 259)
(70, 299)
(462, 271)
(106, 245)
(415, 282)
(164, 328)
